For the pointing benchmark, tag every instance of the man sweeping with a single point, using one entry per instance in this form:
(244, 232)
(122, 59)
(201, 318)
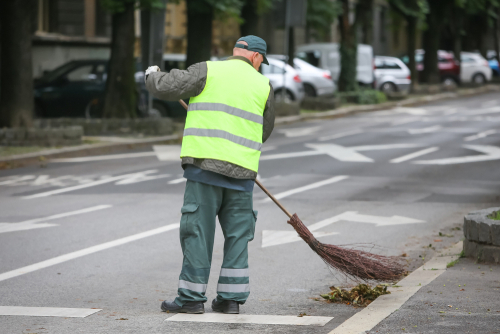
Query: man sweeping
(230, 115)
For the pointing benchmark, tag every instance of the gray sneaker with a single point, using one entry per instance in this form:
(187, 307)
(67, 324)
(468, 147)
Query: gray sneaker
(189, 307)
(226, 306)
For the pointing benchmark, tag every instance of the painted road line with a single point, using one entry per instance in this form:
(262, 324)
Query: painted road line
(268, 148)
(252, 319)
(489, 103)
(354, 216)
(414, 155)
(289, 155)
(30, 224)
(340, 135)
(480, 135)
(308, 187)
(340, 153)
(274, 238)
(381, 147)
(16, 179)
(404, 121)
(107, 157)
(491, 153)
(47, 311)
(300, 132)
(176, 181)
(86, 251)
(141, 177)
(86, 185)
(385, 305)
(429, 129)
(491, 110)
(168, 152)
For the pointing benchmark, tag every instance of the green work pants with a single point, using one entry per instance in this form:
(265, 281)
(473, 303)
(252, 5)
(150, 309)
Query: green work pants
(202, 203)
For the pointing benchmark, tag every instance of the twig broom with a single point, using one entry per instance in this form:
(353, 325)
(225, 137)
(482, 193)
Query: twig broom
(351, 262)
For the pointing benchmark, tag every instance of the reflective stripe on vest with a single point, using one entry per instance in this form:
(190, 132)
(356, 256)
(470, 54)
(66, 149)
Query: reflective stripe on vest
(225, 121)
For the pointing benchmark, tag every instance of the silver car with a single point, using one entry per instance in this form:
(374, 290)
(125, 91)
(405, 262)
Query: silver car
(284, 79)
(391, 75)
(317, 81)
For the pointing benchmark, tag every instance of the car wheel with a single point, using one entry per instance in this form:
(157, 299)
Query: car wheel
(388, 88)
(478, 79)
(158, 110)
(447, 82)
(278, 96)
(309, 90)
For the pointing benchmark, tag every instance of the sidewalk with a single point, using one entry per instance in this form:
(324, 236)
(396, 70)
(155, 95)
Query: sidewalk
(464, 299)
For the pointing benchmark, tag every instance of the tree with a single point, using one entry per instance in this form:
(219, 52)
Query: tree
(349, 42)
(250, 13)
(200, 14)
(319, 19)
(413, 11)
(16, 79)
(121, 92)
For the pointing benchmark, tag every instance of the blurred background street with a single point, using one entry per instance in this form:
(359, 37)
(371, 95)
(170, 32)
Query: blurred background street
(387, 134)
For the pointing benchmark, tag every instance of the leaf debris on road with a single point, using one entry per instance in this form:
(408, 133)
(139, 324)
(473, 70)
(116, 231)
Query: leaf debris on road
(361, 295)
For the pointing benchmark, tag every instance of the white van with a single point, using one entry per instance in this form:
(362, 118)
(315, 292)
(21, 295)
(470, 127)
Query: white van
(327, 56)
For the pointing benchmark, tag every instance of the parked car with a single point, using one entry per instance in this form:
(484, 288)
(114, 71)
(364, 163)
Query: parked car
(77, 87)
(327, 57)
(493, 62)
(317, 82)
(391, 75)
(284, 79)
(449, 67)
(474, 68)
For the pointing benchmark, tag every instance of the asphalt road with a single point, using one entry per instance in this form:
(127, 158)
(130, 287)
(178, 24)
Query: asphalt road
(394, 179)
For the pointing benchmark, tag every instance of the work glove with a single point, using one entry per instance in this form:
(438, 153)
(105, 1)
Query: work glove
(151, 69)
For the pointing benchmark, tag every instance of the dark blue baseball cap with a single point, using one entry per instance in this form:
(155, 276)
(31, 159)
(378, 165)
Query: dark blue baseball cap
(255, 43)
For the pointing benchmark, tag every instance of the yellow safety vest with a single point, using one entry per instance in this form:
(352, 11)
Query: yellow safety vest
(224, 122)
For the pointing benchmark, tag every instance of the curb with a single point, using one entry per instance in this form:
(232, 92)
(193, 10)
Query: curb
(385, 305)
(388, 105)
(83, 150)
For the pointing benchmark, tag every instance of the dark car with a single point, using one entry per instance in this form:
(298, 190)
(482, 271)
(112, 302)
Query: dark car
(449, 67)
(76, 89)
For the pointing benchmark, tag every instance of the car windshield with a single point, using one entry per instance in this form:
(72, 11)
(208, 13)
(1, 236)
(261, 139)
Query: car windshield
(56, 73)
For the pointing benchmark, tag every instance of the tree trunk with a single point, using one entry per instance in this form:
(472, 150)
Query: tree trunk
(199, 31)
(291, 46)
(121, 93)
(496, 37)
(250, 17)
(348, 52)
(365, 9)
(16, 79)
(431, 44)
(411, 31)
(457, 24)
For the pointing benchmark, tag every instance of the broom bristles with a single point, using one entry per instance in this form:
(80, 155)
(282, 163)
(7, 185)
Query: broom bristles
(351, 262)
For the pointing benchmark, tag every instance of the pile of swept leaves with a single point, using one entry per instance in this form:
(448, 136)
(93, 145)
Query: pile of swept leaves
(361, 295)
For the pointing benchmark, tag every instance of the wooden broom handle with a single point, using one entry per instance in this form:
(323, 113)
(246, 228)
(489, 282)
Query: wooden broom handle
(256, 181)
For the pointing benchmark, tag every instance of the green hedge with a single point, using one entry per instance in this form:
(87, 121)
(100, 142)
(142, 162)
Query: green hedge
(363, 96)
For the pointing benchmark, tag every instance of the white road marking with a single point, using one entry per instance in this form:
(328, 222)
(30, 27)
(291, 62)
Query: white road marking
(451, 111)
(86, 251)
(414, 155)
(489, 103)
(340, 135)
(168, 152)
(492, 110)
(404, 121)
(404, 110)
(16, 179)
(385, 305)
(340, 153)
(274, 238)
(106, 157)
(353, 216)
(430, 129)
(252, 319)
(268, 148)
(47, 311)
(141, 177)
(381, 147)
(30, 224)
(299, 132)
(308, 187)
(176, 181)
(480, 135)
(491, 153)
(83, 186)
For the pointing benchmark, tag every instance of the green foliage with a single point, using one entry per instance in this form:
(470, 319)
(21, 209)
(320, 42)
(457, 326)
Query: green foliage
(363, 96)
(360, 295)
(412, 8)
(118, 6)
(495, 215)
(452, 263)
(320, 16)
